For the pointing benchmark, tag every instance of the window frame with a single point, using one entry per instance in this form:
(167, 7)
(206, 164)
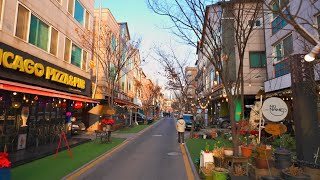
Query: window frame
(16, 22)
(86, 23)
(263, 65)
(49, 33)
(64, 50)
(2, 12)
(73, 7)
(72, 43)
(275, 17)
(279, 59)
(83, 14)
(58, 37)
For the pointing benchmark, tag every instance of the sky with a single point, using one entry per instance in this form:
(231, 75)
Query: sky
(148, 26)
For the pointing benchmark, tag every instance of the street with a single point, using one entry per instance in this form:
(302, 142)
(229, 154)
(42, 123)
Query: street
(155, 154)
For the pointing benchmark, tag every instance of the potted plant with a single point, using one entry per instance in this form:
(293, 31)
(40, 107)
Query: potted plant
(294, 173)
(246, 148)
(5, 164)
(282, 154)
(219, 173)
(263, 157)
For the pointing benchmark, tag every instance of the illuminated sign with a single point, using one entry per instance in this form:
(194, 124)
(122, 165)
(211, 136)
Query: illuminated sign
(15, 62)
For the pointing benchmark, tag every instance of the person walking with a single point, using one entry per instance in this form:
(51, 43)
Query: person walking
(181, 126)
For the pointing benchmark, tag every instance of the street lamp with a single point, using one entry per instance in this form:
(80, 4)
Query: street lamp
(312, 55)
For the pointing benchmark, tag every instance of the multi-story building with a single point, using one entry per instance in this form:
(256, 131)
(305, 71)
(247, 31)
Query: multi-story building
(210, 89)
(44, 77)
(191, 73)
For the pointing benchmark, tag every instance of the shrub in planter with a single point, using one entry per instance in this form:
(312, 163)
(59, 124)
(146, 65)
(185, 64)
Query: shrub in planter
(294, 173)
(220, 173)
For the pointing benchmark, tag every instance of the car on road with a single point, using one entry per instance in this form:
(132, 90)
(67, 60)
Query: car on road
(77, 127)
(141, 118)
(223, 122)
(188, 118)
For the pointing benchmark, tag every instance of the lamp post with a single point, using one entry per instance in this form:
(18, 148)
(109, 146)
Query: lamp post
(312, 55)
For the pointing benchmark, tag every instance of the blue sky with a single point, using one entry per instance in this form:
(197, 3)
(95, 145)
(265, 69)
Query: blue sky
(144, 24)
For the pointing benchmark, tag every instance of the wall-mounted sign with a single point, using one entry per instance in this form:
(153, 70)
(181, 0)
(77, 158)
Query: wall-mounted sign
(274, 109)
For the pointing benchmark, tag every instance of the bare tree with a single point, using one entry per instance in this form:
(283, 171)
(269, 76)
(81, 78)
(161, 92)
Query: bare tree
(178, 80)
(216, 28)
(114, 56)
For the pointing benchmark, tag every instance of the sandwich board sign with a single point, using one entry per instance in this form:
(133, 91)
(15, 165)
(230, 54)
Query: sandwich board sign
(274, 109)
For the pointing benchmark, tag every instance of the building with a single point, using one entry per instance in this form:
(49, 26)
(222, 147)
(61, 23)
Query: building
(191, 73)
(44, 78)
(210, 89)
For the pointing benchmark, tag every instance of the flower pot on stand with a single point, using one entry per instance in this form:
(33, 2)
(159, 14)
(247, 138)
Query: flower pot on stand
(5, 173)
(246, 151)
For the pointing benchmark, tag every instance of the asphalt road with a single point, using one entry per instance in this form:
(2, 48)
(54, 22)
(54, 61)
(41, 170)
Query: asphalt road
(154, 155)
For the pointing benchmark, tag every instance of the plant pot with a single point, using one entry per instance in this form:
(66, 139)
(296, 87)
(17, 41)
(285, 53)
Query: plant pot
(5, 173)
(246, 151)
(262, 163)
(220, 174)
(270, 178)
(228, 151)
(263, 152)
(287, 176)
(282, 159)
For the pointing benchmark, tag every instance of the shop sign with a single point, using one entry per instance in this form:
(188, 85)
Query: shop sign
(16, 62)
(275, 129)
(274, 109)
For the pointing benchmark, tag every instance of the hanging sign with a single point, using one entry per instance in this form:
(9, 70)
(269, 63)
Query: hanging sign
(275, 129)
(274, 109)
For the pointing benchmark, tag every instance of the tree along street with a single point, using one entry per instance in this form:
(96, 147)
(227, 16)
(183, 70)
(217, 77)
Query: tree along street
(154, 155)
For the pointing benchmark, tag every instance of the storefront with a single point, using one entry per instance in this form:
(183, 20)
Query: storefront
(38, 100)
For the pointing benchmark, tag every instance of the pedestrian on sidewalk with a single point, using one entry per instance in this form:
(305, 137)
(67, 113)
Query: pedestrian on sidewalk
(181, 126)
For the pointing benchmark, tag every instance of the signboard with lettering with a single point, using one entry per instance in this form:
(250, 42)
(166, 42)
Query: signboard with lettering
(274, 109)
(22, 67)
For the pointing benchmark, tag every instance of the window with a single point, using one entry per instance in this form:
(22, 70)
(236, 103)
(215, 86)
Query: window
(71, 6)
(39, 33)
(54, 42)
(278, 23)
(78, 12)
(282, 68)
(86, 25)
(113, 43)
(284, 48)
(76, 56)
(67, 48)
(22, 22)
(130, 64)
(84, 60)
(257, 59)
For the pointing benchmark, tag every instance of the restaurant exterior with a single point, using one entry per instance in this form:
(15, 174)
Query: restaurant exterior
(38, 100)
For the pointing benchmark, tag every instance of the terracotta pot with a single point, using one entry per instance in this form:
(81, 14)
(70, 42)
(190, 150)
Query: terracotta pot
(263, 152)
(262, 163)
(246, 151)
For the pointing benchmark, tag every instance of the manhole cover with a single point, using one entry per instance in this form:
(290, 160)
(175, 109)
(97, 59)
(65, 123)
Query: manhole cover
(158, 135)
(174, 153)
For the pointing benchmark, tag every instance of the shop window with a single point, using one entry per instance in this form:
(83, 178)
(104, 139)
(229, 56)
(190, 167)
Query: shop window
(54, 42)
(71, 6)
(84, 60)
(76, 56)
(67, 49)
(78, 12)
(39, 33)
(86, 25)
(257, 59)
(284, 48)
(22, 22)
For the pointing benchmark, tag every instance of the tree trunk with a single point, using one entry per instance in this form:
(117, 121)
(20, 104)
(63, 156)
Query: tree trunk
(235, 136)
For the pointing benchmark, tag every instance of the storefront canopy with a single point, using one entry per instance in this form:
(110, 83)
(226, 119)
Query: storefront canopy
(23, 88)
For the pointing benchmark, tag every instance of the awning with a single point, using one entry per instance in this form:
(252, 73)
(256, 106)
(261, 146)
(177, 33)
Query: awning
(23, 88)
(120, 101)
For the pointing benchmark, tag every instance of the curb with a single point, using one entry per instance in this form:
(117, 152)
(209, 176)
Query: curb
(195, 172)
(111, 151)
